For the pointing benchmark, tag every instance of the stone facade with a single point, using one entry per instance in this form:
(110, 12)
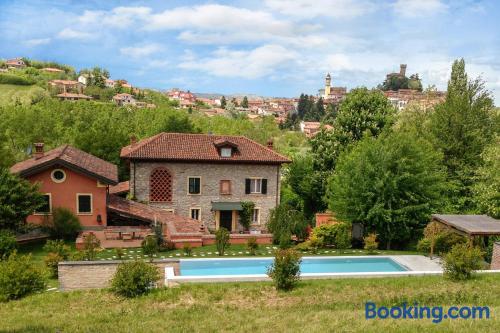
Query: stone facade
(75, 275)
(211, 175)
(495, 259)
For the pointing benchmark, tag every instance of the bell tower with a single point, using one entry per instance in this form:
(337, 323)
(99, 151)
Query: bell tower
(328, 81)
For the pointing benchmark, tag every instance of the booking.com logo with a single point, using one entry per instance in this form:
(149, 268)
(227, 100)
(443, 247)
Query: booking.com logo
(415, 311)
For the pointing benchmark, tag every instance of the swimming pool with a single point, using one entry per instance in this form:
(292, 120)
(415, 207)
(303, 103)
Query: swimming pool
(259, 266)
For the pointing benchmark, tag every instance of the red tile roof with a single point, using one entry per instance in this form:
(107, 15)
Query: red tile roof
(176, 224)
(71, 95)
(71, 158)
(121, 187)
(200, 148)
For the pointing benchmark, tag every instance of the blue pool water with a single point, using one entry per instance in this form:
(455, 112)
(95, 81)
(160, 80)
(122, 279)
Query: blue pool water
(203, 267)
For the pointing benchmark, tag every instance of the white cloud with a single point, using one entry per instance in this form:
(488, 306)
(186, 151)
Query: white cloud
(419, 8)
(70, 33)
(259, 62)
(37, 41)
(119, 17)
(307, 9)
(140, 51)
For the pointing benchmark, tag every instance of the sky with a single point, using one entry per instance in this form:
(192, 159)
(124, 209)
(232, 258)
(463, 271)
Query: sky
(269, 47)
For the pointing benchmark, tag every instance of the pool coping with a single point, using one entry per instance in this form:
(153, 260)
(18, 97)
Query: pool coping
(171, 278)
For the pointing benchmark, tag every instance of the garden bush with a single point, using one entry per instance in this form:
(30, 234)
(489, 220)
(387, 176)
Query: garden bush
(286, 220)
(167, 245)
(119, 253)
(443, 242)
(222, 240)
(91, 245)
(252, 245)
(336, 235)
(150, 246)
(8, 243)
(371, 243)
(188, 250)
(63, 224)
(58, 247)
(52, 260)
(461, 261)
(246, 214)
(19, 277)
(285, 241)
(134, 278)
(285, 270)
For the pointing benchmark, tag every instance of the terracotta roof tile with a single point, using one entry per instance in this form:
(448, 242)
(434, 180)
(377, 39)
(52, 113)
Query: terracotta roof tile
(72, 158)
(121, 187)
(201, 148)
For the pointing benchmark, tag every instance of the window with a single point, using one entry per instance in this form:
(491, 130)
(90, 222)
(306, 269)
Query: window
(58, 176)
(225, 187)
(196, 214)
(160, 185)
(46, 208)
(225, 152)
(84, 203)
(194, 185)
(256, 216)
(255, 186)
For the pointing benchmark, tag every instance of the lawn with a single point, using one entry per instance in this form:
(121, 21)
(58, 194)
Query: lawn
(9, 93)
(314, 306)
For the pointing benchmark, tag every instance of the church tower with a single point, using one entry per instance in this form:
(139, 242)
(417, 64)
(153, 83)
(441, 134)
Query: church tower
(328, 81)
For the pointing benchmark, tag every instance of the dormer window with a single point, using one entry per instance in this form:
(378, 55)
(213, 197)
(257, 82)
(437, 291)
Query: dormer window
(226, 152)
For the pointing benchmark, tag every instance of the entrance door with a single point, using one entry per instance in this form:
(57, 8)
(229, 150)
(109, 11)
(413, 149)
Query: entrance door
(226, 219)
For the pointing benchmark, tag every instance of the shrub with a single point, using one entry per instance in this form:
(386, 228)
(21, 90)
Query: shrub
(312, 244)
(446, 240)
(222, 240)
(78, 256)
(371, 243)
(52, 262)
(252, 245)
(167, 246)
(461, 261)
(432, 232)
(64, 224)
(8, 243)
(284, 219)
(188, 250)
(150, 246)
(14, 79)
(285, 270)
(91, 245)
(134, 278)
(57, 247)
(119, 253)
(246, 214)
(424, 245)
(337, 235)
(285, 241)
(19, 277)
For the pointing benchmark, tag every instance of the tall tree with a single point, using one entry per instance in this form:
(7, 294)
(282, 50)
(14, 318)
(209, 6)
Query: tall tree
(391, 184)
(486, 189)
(302, 106)
(462, 127)
(244, 103)
(223, 102)
(18, 199)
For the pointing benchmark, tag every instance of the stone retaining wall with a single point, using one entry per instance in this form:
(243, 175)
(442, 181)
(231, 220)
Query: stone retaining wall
(495, 259)
(74, 275)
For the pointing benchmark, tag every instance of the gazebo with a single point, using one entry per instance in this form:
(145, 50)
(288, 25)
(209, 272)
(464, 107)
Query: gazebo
(470, 226)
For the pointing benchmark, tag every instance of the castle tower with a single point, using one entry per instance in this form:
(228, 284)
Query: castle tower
(402, 69)
(328, 81)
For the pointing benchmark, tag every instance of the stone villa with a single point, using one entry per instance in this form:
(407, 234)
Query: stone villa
(205, 177)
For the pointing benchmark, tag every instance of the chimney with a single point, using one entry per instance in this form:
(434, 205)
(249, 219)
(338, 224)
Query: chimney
(38, 150)
(270, 144)
(402, 69)
(133, 139)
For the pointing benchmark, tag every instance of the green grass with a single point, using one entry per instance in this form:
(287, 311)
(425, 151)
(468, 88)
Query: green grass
(9, 93)
(314, 306)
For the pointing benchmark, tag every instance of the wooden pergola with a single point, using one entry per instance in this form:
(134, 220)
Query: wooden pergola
(471, 226)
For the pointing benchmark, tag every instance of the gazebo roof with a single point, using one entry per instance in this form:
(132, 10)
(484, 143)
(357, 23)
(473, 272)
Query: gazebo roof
(471, 224)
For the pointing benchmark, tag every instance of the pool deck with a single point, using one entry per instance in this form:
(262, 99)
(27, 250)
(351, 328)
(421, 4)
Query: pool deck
(415, 265)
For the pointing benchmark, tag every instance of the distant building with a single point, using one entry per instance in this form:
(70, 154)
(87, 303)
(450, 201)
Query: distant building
(332, 94)
(124, 99)
(73, 97)
(52, 70)
(403, 97)
(109, 83)
(64, 86)
(15, 63)
(179, 95)
(311, 128)
(84, 79)
(401, 74)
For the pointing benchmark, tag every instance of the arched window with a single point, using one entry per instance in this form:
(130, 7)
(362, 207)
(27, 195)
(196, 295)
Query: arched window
(160, 185)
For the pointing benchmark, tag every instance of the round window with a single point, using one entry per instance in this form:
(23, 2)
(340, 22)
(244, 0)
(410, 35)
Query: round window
(58, 176)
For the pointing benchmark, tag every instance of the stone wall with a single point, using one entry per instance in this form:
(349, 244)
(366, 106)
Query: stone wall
(74, 275)
(211, 175)
(495, 259)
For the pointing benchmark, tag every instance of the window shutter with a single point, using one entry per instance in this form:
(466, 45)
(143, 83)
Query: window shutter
(264, 186)
(247, 186)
